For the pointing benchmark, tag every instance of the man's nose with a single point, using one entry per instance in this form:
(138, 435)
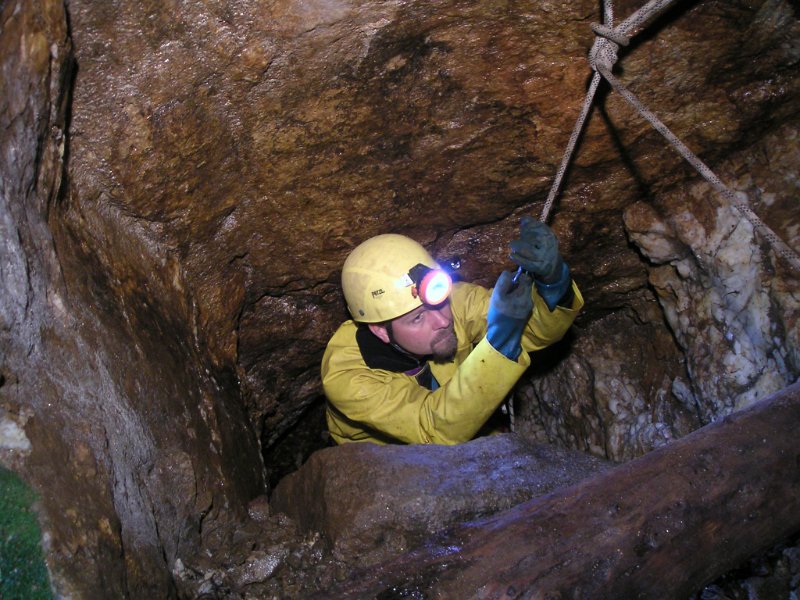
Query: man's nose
(441, 320)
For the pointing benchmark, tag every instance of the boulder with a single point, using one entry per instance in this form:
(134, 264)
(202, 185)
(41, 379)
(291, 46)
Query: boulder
(372, 502)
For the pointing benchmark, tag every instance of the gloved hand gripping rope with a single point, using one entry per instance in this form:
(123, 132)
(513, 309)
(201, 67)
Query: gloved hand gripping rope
(540, 264)
(536, 252)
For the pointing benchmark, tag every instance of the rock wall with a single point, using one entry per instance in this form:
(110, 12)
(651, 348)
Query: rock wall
(131, 446)
(611, 394)
(181, 184)
(225, 160)
(626, 384)
(728, 297)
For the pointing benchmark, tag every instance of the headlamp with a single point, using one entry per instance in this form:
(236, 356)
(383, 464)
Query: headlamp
(432, 286)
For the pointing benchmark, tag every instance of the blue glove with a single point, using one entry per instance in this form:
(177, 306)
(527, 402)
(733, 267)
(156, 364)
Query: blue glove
(552, 293)
(509, 310)
(536, 251)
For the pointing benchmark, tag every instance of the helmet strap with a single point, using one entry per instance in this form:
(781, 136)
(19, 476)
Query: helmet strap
(393, 342)
(390, 332)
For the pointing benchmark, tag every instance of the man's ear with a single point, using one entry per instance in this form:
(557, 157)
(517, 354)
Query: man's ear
(379, 331)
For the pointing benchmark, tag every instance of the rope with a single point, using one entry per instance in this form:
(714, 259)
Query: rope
(602, 58)
(573, 140)
(778, 244)
(608, 17)
(643, 16)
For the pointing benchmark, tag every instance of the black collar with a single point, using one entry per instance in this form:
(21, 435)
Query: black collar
(379, 355)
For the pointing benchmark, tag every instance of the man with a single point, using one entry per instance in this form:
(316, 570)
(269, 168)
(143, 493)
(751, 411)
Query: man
(421, 363)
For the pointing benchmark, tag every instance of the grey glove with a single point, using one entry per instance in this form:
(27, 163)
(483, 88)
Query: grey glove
(536, 251)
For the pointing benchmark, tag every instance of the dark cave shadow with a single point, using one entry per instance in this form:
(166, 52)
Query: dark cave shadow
(292, 449)
(546, 360)
(643, 189)
(599, 105)
(67, 99)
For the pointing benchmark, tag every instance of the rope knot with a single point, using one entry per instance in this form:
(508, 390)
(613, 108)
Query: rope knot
(606, 44)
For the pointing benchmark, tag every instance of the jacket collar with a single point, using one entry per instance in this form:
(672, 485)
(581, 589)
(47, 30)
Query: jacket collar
(379, 355)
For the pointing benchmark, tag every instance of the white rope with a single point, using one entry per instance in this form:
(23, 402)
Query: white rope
(643, 16)
(778, 244)
(573, 140)
(602, 58)
(608, 18)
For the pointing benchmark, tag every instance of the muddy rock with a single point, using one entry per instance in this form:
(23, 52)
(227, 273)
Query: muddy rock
(263, 557)
(372, 502)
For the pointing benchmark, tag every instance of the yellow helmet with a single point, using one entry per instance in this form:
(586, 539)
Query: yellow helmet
(389, 275)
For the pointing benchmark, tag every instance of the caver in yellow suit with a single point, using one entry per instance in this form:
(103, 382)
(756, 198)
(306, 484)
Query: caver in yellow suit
(379, 393)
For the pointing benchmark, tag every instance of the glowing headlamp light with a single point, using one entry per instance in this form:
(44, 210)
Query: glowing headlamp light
(432, 286)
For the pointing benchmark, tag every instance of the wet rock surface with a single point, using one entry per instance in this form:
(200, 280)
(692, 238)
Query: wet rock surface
(355, 506)
(225, 160)
(106, 411)
(659, 526)
(373, 502)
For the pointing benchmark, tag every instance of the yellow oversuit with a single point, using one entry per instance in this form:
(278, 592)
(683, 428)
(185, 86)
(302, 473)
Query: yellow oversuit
(377, 394)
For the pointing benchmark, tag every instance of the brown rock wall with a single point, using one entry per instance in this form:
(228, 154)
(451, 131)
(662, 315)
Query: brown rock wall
(181, 183)
(250, 149)
(132, 447)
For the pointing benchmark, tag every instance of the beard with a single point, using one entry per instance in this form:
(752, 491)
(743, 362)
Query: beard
(444, 345)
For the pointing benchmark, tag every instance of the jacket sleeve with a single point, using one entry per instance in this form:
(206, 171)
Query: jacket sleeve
(396, 405)
(546, 327)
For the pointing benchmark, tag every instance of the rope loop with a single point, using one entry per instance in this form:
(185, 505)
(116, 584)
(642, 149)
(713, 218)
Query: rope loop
(606, 45)
(603, 53)
(611, 34)
(602, 58)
